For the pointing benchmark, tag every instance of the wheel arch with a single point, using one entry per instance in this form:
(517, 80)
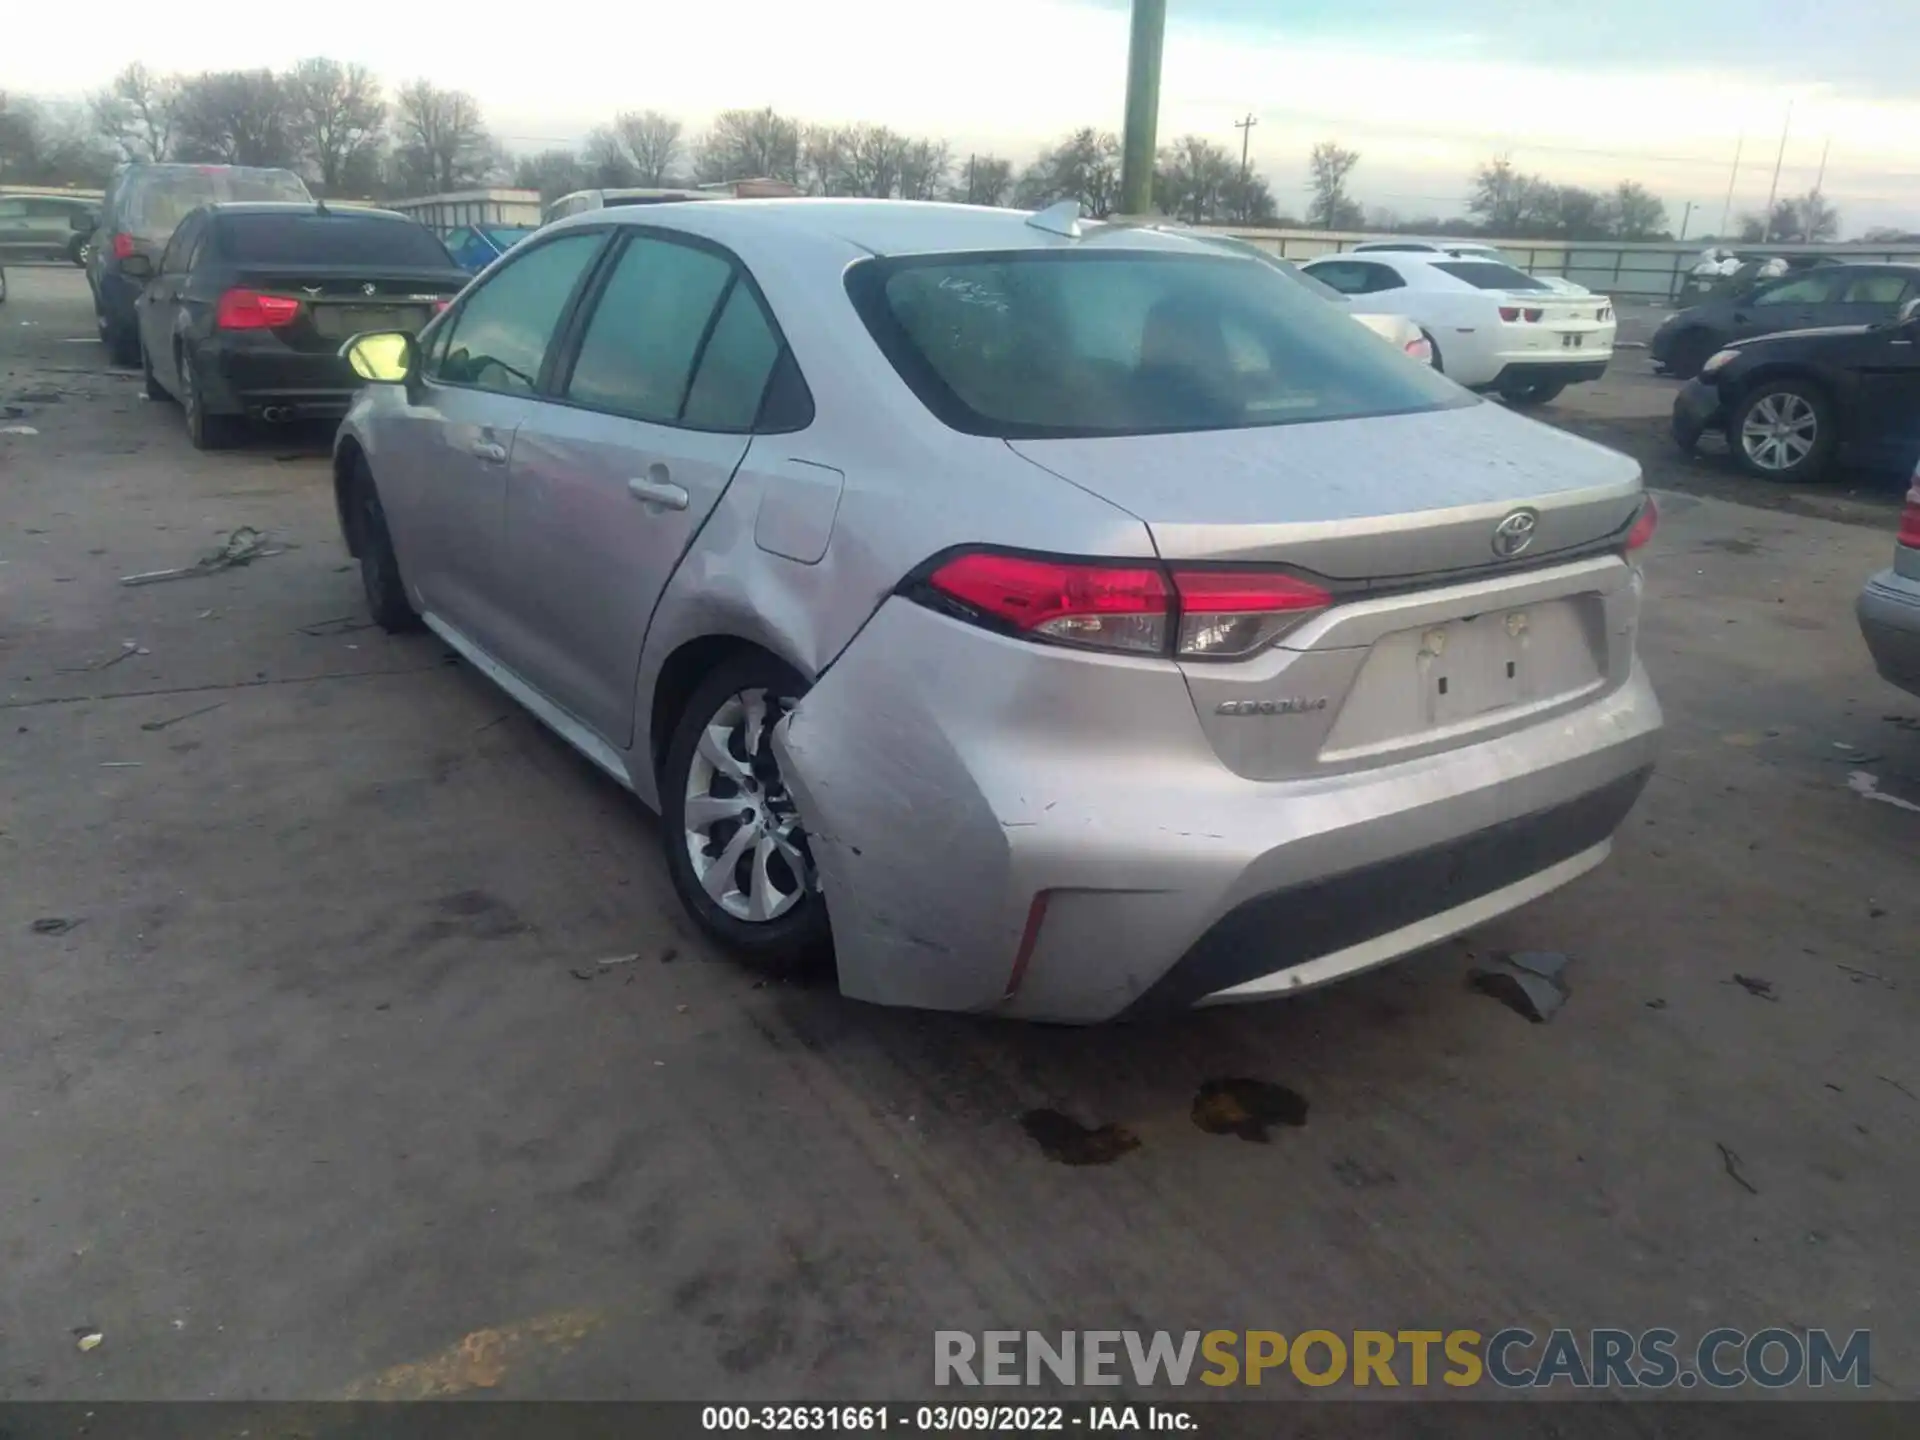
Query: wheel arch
(1769, 372)
(680, 675)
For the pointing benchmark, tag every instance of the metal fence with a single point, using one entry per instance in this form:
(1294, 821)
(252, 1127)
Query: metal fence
(1653, 272)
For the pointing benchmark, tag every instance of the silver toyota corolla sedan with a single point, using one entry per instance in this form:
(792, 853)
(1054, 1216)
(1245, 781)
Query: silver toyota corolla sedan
(1056, 619)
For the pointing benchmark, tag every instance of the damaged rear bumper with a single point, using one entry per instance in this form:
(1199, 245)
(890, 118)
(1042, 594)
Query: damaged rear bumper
(1047, 834)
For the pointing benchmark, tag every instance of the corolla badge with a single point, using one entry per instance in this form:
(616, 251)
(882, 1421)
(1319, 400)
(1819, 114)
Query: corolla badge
(1515, 533)
(1289, 705)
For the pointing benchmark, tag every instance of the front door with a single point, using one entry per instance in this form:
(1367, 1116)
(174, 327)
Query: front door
(156, 311)
(481, 371)
(1887, 428)
(1802, 303)
(613, 478)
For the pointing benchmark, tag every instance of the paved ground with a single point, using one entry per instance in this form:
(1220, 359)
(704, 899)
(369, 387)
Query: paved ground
(326, 1093)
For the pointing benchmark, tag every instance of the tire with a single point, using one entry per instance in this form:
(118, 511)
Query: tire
(123, 345)
(204, 431)
(1800, 432)
(737, 700)
(1686, 436)
(77, 250)
(1690, 350)
(152, 381)
(1526, 394)
(380, 576)
(1434, 345)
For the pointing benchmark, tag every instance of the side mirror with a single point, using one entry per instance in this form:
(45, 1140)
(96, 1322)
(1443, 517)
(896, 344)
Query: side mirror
(139, 267)
(386, 357)
(1909, 320)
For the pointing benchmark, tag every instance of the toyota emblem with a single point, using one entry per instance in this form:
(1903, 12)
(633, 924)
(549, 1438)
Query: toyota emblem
(1515, 533)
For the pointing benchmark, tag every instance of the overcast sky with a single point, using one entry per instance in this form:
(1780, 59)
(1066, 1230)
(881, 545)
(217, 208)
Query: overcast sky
(1655, 90)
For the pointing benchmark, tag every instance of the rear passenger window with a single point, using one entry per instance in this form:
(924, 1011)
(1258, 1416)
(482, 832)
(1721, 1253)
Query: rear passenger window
(1875, 290)
(638, 351)
(734, 367)
(499, 339)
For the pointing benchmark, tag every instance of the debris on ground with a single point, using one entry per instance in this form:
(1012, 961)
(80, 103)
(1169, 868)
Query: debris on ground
(1247, 1108)
(1656, 1004)
(163, 724)
(1898, 1086)
(1754, 985)
(120, 764)
(1867, 786)
(1527, 982)
(1066, 1141)
(87, 1339)
(340, 625)
(1856, 974)
(127, 648)
(1731, 1162)
(580, 974)
(1851, 754)
(54, 925)
(241, 547)
(618, 960)
(18, 430)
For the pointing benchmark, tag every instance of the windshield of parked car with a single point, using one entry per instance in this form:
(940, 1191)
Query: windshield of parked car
(1037, 344)
(333, 239)
(1489, 275)
(158, 200)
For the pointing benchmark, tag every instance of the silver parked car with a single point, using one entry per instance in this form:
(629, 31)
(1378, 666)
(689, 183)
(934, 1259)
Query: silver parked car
(1059, 620)
(1889, 606)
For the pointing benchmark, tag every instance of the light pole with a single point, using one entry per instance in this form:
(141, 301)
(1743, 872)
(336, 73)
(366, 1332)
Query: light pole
(1245, 127)
(1143, 106)
(1733, 177)
(1766, 230)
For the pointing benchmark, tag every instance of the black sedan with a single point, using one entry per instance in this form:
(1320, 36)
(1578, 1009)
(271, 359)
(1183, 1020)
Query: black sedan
(1788, 404)
(246, 314)
(1824, 295)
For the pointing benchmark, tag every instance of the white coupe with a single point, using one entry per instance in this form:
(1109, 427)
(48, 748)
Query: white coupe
(1491, 327)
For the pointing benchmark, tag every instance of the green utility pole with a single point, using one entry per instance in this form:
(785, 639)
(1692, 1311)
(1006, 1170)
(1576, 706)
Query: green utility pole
(1143, 106)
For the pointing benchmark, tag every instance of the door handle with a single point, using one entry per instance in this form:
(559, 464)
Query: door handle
(489, 450)
(658, 492)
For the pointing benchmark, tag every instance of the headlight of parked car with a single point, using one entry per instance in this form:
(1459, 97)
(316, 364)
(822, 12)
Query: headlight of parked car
(1719, 360)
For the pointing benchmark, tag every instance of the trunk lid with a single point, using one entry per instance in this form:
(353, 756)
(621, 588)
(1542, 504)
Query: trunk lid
(1434, 638)
(339, 302)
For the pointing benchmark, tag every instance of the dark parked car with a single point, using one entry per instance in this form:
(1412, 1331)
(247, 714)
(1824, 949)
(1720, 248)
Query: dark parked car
(143, 205)
(1889, 606)
(1790, 403)
(245, 314)
(1824, 295)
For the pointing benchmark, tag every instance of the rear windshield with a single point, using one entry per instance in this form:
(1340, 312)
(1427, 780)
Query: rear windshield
(335, 239)
(1038, 344)
(1489, 275)
(158, 200)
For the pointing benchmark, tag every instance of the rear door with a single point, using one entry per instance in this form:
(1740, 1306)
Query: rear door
(158, 310)
(614, 475)
(450, 447)
(1887, 426)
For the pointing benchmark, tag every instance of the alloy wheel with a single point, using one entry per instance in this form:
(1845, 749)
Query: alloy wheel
(743, 833)
(1780, 431)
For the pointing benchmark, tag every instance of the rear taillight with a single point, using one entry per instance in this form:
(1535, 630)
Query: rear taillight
(1533, 316)
(250, 310)
(1510, 313)
(1605, 312)
(122, 246)
(1421, 349)
(440, 305)
(1225, 614)
(1135, 610)
(1644, 524)
(1909, 534)
(1107, 607)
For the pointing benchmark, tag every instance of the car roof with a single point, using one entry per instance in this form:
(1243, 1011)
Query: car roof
(296, 207)
(888, 227)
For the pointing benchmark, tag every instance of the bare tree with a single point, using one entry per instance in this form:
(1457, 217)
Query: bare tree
(874, 155)
(137, 113)
(1246, 199)
(1636, 212)
(1191, 180)
(1083, 167)
(651, 142)
(441, 142)
(558, 172)
(334, 114)
(605, 161)
(983, 180)
(923, 169)
(1507, 202)
(750, 145)
(1327, 171)
(823, 160)
(235, 117)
